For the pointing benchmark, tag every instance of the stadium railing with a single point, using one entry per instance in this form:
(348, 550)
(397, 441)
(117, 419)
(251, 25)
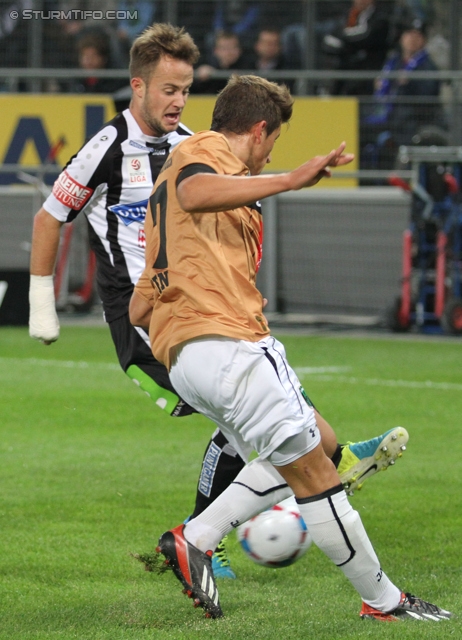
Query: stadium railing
(353, 236)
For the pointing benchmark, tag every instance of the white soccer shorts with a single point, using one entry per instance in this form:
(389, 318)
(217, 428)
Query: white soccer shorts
(249, 390)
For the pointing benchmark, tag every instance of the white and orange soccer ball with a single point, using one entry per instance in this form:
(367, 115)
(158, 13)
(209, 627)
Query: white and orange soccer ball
(276, 537)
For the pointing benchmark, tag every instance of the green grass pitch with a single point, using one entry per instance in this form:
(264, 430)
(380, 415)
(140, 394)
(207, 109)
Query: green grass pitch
(91, 472)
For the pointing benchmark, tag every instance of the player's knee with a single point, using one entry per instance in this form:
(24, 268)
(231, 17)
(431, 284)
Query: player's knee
(296, 446)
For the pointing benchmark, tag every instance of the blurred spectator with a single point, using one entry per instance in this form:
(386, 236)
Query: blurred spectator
(129, 28)
(361, 44)
(63, 39)
(246, 20)
(288, 17)
(77, 25)
(268, 51)
(393, 122)
(404, 11)
(329, 19)
(240, 17)
(227, 55)
(94, 53)
(195, 18)
(422, 9)
(268, 54)
(13, 35)
(74, 29)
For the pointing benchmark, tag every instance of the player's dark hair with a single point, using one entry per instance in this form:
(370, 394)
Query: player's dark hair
(157, 41)
(247, 100)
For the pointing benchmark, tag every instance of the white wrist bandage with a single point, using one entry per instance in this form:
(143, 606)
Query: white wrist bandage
(43, 320)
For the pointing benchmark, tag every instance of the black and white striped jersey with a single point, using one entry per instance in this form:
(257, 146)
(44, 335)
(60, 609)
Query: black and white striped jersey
(110, 179)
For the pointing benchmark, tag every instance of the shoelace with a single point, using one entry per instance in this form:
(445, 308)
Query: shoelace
(419, 604)
(220, 553)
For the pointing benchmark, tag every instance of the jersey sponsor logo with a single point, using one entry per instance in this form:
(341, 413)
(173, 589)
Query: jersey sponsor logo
(128, 213)
(71, 193)
(137, 145)
(152, 151)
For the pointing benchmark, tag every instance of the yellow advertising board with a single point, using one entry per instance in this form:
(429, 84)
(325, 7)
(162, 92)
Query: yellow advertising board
(318, 125)
(33, 126)
(43, 129)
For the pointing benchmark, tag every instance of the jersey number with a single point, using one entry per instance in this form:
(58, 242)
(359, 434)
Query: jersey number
(159, 200)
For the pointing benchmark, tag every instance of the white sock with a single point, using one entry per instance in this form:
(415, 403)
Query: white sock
(256, 488)
(338, 531)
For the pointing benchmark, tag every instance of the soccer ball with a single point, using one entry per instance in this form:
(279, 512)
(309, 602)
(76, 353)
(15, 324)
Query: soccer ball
(276, 537)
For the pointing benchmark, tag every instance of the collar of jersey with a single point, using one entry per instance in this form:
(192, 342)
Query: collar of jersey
(135, 132)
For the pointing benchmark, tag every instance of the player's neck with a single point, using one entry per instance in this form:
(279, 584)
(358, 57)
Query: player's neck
(240, 144)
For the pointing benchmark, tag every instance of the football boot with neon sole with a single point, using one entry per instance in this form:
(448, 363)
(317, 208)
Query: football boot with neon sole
(361, 460)
(409, 607)
(193, 568)
(221, 565)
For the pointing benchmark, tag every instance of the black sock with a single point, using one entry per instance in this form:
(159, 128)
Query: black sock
(218, 471)
(337, 455)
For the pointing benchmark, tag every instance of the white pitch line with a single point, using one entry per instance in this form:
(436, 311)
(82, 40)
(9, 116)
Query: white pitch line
(66, 364)
(310, 370)
(377, 382)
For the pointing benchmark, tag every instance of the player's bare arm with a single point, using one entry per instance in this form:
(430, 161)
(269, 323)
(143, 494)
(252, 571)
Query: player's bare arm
(43, 320)
(140, 311)
(45, 243)
(206, 192)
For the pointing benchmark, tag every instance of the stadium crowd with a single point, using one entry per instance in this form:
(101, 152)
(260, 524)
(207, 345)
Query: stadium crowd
(271, 35)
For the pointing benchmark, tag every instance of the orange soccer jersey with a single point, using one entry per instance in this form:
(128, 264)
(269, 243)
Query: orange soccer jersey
(201, 267)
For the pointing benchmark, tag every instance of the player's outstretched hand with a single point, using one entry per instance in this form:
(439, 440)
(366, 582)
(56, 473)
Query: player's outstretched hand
(43, 319)
(314, 170)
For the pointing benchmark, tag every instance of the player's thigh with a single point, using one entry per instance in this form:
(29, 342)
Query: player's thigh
(133, 348)
(136, 359)
(247, 388)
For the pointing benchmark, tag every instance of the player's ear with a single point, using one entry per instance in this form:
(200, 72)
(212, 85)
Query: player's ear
(139, 86)
(258, 129)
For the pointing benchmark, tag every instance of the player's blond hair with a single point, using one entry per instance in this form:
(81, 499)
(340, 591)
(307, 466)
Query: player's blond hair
(247, 100)
(157, 41)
